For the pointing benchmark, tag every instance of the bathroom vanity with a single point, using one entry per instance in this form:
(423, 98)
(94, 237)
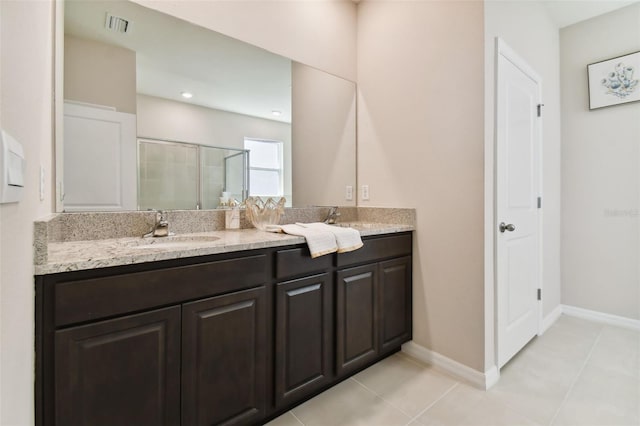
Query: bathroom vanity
(234, 337)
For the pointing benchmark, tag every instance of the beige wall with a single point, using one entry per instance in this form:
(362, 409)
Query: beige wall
(100, 74)
(1, 299)
(539, 46)
(600, 173)
(324, 134)
(317, 33)
(180, 121)
(25, 99)
(420, 144)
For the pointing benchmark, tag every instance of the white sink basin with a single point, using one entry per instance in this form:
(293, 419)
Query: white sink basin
(173, 241)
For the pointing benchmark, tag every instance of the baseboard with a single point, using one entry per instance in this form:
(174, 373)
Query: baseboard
(474, 377)
(552, 317)
(602, 317)
(490, 377)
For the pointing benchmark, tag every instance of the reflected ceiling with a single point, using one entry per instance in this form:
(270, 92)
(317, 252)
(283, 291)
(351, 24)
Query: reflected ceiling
(174, 56)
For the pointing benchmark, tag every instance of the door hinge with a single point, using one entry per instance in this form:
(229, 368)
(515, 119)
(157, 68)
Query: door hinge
(539, 202)
(539, 294)
(540, 110)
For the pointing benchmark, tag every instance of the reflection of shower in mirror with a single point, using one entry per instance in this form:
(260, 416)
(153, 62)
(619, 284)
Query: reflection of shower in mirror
(181, 176)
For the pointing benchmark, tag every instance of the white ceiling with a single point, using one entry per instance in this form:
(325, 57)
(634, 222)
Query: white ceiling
(174, 56)
(568, 12)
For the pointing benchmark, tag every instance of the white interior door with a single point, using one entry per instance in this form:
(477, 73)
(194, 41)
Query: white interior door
(99, 159)
(517, 190)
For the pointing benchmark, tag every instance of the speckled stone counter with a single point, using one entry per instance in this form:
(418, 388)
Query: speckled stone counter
(66, 242)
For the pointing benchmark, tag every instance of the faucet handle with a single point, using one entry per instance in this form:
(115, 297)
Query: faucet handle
(160, 214)
(332, 216)
(161, 225)
(161, 219)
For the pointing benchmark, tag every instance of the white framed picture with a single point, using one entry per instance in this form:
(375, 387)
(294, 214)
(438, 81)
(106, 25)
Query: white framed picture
(614, 81)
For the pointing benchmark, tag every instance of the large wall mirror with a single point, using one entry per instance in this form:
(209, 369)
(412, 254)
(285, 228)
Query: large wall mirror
(161, 113)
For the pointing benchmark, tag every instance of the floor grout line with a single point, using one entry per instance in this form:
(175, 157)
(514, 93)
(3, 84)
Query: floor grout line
(296, 417)
(573, 384)
(389, 403)
(412, 418)
(455, 385)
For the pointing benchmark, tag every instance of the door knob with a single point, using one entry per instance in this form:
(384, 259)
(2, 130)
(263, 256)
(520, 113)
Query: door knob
(509, 227)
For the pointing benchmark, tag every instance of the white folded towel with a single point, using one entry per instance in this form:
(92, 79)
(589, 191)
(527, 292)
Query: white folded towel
(322, 238)
(347, 239)
(320, 241)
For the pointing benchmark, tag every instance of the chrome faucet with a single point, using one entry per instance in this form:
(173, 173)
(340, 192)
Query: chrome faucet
(160, 227)
(332, 216)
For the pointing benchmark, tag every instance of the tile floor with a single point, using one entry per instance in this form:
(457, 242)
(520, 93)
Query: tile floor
(578, 373)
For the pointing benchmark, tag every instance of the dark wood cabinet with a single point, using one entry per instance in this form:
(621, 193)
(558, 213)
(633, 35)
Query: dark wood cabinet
(234, 338)
(124, 371)
(356, 318)
(373, 312)
(303, 337)
(223, 359)
(395, 303)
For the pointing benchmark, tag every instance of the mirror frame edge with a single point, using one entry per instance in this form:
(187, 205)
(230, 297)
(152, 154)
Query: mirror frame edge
(58, 106)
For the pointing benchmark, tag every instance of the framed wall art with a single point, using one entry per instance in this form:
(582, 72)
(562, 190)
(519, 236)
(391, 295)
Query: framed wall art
(614, 81)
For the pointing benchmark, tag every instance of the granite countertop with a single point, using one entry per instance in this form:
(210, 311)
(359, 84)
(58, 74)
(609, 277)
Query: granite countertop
(90, 254)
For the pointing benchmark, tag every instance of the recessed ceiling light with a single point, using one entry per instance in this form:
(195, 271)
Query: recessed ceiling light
(187, 95)
(276, 113)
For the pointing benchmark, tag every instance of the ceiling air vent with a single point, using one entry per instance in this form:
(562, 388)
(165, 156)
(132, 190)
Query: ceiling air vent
(117, 24)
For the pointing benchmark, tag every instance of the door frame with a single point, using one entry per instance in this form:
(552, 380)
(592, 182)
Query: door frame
(503, 49)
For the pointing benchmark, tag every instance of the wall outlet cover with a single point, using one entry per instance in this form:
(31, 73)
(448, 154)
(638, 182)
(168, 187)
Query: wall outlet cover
(349, 193)
(41, 183)
(365, 192)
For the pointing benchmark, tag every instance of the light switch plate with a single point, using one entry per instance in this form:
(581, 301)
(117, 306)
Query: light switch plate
(365, 192)
(12, 166)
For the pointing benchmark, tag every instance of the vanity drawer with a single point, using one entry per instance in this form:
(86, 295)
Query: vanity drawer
(94, 298)
(376, 249)
(298, 261)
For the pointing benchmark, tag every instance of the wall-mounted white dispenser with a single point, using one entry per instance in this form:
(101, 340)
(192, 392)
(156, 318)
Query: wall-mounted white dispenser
(11, 169)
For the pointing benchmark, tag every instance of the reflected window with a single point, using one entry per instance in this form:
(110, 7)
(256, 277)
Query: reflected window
(265, 167)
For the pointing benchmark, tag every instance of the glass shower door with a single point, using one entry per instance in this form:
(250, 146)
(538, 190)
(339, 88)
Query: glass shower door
(186, 176)
(236, 180)
(168, 175)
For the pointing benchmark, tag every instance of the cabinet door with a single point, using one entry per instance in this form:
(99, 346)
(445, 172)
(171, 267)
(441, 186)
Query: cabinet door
(124, 371)
(303, 337)
(223, 359)
(395, 303)
(357, 318)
